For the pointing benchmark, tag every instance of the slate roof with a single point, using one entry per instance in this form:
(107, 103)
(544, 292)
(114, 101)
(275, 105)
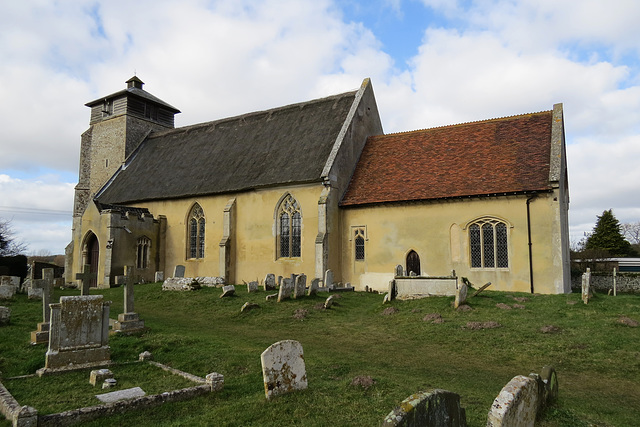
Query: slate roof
(506, 155)
(284, 145)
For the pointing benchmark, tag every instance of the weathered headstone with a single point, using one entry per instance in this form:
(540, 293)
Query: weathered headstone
(159, 277)
(5, 315)
(329, 302)
(41, 335)
(34, 293)
(586, 286)
(129, 321)
(178, 271)
(227, 291)
(283, 368)
(313, 287)
(79, 334)
(432, 408)
(252, 287)
(248, 306)
(461, 296)
(328, 278)
(392, 290)
(97, 376)
(85, 279)
(516, 405)
(270, 282)
(10, 281)
(485, 286)
(550, 380)
(7, 291)
(286, 288)
(399, 271)
(300, 286)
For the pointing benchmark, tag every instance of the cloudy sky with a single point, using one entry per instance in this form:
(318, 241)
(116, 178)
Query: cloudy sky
(432, 63)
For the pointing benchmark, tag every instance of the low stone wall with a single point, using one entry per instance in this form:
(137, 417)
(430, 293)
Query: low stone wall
(603, 282)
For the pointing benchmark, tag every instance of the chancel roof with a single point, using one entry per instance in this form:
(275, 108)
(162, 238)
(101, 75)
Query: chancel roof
(286, 145)
(499, 156)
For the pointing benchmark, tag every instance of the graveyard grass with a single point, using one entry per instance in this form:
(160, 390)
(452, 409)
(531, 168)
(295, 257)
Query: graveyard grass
(597, 358)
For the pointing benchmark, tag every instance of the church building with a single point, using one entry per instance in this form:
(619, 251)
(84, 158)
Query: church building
(318, 185)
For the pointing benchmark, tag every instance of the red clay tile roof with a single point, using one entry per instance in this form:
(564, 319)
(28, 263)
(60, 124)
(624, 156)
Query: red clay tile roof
(495, 156)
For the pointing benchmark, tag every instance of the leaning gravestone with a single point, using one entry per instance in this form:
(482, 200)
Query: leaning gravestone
(313, 288)
(252, 287)
(79, 334)
(516, 405)
(129, 321)
(285, 290)
(283, 368)
(270, 282)
(41, 335)
(178, 271)
(328, 278)
(429, 408)
(300, 286)
(461, 296)
(228, 291)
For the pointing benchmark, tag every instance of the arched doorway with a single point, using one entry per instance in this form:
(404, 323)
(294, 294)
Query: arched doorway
(91, 256)
(413, 263)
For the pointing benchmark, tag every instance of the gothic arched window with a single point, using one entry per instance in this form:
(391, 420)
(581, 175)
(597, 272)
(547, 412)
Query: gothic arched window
(142, 252)
(195, 230)
(289, 223)
(488, 244)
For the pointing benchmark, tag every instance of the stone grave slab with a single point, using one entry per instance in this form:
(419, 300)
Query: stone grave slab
(283, 368)
(116, 396)
(300, 286)
(79, 334)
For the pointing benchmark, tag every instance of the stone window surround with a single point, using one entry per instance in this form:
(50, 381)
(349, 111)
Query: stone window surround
(288, 246)
(500, 256)
(359, 232)
(196, 229)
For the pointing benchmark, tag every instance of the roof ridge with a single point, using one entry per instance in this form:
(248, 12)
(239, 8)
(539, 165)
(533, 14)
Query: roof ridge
(473, 122)
(251, 114)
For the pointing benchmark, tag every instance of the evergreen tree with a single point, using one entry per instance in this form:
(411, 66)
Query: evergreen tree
(607, 236)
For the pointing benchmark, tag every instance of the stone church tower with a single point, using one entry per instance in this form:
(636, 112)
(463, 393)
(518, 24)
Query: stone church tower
(119, 123)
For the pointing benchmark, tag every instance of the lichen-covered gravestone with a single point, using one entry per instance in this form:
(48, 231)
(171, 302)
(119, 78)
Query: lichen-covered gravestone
(270, 282)
(252, 287)
(285, 290)
(79, 334)
(283, 368)
(586, 286)
(461, 296)
(313, 288)
(437, 408)
(516, 405)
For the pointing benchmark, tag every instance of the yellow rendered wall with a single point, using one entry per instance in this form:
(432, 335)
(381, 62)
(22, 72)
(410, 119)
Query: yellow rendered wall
(253, 238)
(438, 233)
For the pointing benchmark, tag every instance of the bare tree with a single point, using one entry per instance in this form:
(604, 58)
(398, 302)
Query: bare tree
(631, 231)
(8, 244)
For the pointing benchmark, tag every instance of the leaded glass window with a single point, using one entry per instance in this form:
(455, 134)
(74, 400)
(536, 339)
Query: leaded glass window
(142, 252)
(289, 228)
(488, 244)
(359, 244)
(196, 232)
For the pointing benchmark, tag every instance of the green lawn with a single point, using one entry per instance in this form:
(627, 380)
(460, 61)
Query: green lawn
(597, 357)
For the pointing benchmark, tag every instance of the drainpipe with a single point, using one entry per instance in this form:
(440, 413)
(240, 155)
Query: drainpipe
(533, 196)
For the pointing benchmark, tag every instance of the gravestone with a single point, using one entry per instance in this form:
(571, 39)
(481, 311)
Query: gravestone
(461, 296)
(279, 281)
(41, 335)
(159, 277)
(329, 302)
(7, 291)
(270, 282)
(586, 286)
(85, 279)
(10, 281)
(79, 334)
(227, 291)
(129, 321)
(428, 408)
(34, 293)
(328, 278)
(399, 271)
(252, 287)
(516, 405)
(313, 288)
(283, 368)
(5, 315)
(392, 290)
(300, 286)
(178, 271)
(285, 290)
(97, 376)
